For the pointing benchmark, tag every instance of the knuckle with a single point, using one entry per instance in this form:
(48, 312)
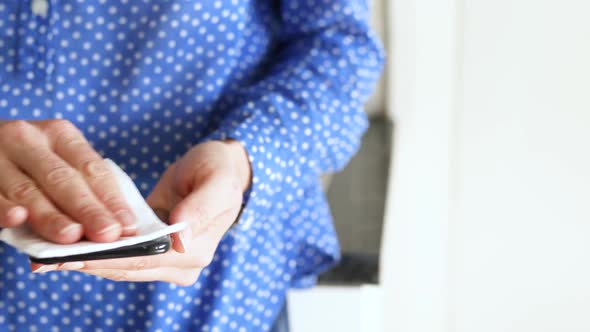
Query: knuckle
(18, 126)
(22, 190)
(141, 263)
(206, 165)
(113, 200)
(89, 211)
(96, 168)
(117, 275)
(16, 131)
(206, 170)
(50, 224)
(63, 133)
(60, 174)
(59, 127)
(55, 219)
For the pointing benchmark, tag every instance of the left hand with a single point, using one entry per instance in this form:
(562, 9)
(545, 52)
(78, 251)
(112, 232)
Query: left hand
(203, 188)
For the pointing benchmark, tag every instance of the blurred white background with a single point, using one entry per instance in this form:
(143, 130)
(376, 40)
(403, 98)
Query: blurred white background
(487, 224)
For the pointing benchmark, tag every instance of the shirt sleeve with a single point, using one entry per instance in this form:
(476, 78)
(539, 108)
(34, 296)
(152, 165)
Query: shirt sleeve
(305, 116)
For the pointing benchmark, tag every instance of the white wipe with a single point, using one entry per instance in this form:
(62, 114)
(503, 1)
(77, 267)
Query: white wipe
(150, 227)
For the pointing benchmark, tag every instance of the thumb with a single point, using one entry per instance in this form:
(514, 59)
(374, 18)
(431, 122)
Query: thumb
(163, 199)
(204, 204)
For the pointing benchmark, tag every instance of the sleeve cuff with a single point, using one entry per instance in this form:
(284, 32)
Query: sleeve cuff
(267, 160)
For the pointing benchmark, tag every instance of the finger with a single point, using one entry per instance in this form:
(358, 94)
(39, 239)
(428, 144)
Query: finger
(200, 253)
(130, 263)
(68, 190)
(205, 203)
(11, 215)
(146, 268)
(71, 145)
(43, 268)
(202, 246)
(103, 184)
(43, 216)
(163, 197)
(169, 259)
(181, 277)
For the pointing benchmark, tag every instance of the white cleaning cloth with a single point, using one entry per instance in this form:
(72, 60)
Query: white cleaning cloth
(150, 227)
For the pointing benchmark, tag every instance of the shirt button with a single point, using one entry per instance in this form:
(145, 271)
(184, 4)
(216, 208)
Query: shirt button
(40, 7)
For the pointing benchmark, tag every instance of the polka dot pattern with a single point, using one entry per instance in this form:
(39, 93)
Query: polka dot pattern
(146, 80)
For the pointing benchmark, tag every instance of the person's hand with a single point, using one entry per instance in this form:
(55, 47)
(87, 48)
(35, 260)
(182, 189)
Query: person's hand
(53, 179)
(203, 188)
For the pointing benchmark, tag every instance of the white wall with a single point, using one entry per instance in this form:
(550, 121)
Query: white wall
(414, 259)
(500, 242)
(522, 244)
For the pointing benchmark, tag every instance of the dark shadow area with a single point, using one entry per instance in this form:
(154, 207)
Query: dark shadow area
(357, 200)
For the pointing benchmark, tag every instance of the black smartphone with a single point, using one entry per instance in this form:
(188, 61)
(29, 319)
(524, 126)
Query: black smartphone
(153, 247)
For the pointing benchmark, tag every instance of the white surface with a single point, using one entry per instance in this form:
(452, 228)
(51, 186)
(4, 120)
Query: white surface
(149, 228)
(336, 308)
(518, 175)
(522, 228)
(414, 256)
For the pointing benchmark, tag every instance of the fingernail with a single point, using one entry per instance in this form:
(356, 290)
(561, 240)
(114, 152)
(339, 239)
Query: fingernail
(128, 220)
(185, 236)
(108, 228)
(71, 228)
(182, 249)
(46, 268)
(71, 266)
(17, 212)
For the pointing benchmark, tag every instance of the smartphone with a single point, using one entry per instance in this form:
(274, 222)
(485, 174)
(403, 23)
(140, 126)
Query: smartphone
(153, 247)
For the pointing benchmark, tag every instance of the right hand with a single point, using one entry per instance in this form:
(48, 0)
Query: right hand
(53, 179)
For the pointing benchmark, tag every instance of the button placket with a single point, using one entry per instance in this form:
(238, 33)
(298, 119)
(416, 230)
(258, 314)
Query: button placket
(52, 31)
(40, 7)
(34, 26)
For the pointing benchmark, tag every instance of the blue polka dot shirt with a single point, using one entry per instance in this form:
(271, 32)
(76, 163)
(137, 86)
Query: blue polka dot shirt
(146, 80)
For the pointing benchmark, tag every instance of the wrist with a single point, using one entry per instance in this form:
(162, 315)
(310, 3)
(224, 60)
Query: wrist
(241, 161)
